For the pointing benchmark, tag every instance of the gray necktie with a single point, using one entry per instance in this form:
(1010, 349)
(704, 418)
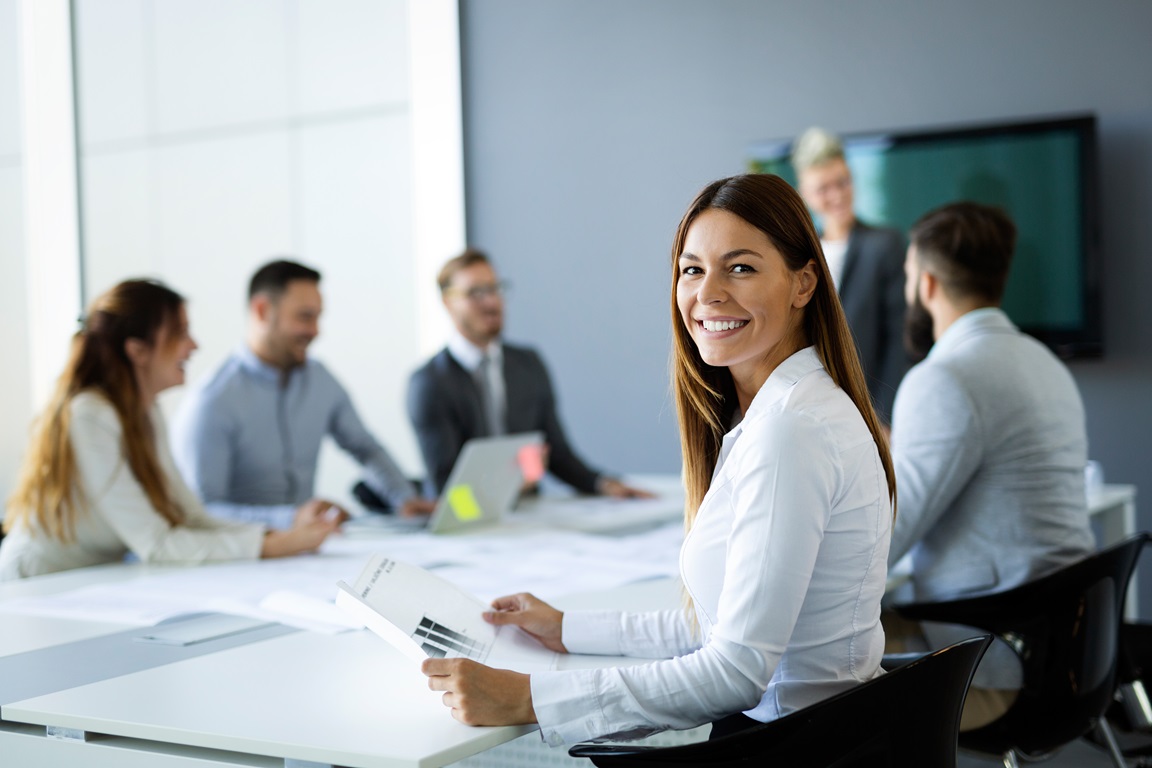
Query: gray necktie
(493, 413)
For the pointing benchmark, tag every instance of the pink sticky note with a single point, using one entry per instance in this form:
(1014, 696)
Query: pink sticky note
(531, 461)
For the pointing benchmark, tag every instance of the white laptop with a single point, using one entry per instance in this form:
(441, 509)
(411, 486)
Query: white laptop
(484, 484)
(485, 481)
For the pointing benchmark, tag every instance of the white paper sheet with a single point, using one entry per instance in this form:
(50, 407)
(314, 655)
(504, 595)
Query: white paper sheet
(424, 616)
(298, 590)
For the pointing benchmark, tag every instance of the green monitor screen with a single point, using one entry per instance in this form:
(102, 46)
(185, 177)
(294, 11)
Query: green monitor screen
(1041, 172)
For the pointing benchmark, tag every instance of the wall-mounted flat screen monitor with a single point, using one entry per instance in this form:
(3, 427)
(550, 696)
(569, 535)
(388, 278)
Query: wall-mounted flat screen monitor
(1042, 172)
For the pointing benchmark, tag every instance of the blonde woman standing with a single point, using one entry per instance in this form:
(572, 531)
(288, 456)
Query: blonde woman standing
(866, 264)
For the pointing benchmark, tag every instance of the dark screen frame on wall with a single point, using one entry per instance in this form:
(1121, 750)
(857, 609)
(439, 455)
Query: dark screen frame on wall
(1042, 170)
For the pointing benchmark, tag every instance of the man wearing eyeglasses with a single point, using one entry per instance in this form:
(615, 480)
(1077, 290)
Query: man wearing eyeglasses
(479, 386)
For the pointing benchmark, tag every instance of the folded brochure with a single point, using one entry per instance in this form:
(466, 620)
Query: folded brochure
(422, 616)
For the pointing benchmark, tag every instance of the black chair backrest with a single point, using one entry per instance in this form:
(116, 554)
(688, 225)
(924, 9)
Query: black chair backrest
(907, 718)
(1064, 626)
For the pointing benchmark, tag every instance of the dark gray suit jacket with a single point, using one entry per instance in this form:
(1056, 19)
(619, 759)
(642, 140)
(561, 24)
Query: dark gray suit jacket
(872, 294)
(445, 408)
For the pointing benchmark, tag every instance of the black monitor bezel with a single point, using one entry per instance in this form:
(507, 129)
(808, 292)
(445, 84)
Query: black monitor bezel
(1087, 340)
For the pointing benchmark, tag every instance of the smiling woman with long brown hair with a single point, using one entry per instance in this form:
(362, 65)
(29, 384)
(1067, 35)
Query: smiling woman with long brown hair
(790, 494)
(98, 480)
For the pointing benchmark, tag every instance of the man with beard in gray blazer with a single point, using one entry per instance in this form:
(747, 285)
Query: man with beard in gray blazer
(988, 440)
(479, 385)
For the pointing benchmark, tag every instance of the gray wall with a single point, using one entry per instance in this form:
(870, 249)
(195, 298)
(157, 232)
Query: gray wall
(590, 124)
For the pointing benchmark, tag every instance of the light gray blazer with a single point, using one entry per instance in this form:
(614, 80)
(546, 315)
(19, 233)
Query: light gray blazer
(989, 443)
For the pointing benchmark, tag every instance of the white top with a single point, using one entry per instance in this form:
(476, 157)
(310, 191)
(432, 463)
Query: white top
(119, 517)
(785, 565)
(835, 253)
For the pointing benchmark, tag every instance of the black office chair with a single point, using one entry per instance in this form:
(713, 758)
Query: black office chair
(1130, 714)
(371, 501)
(1065, 629)
(907, 718)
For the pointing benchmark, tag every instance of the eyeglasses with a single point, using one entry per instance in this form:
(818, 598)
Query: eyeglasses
(481, 292)
(840, 184)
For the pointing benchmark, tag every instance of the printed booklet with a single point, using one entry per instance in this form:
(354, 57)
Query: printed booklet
(422, 615)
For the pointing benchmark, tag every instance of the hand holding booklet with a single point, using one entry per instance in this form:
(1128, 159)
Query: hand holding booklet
(422, 616)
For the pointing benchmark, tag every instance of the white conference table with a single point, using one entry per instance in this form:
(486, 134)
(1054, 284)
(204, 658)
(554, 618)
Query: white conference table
(1113, 509)
(300, 699)
(291, 698)
(294, 699)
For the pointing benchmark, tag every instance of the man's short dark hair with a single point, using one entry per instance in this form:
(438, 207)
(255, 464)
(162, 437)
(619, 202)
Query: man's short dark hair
(968, 247)
(470, 257)
(272, 279)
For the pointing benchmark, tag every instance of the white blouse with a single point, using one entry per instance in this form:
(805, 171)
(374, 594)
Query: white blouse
(119, 516)
(785, 564)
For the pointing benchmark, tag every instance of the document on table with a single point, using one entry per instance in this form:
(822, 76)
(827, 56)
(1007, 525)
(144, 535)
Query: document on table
(550, 563)
(601, 514)
(425, 616)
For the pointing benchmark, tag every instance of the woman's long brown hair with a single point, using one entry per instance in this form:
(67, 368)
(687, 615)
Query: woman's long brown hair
(706, 395)
(48, 496)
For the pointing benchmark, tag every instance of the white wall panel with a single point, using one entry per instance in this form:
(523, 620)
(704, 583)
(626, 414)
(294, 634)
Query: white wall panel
(220, 63)
(252, 130)
(118, 222)
(10, 127)
(15, 385)
(50, 193)
(356, 228)
(112, 59)
(352, 54)
(223, 208)
(15, 388)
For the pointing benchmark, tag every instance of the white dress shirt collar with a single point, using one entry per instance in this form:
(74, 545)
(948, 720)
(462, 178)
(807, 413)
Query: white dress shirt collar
(469, 355)
(778, 385)
(781, 380)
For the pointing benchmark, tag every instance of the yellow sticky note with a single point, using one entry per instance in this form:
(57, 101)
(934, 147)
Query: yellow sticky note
(463, 503)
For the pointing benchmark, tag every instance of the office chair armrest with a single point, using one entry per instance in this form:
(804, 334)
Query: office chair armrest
(1000, 612)
(996, 613)
(891, 661)
(606, 750)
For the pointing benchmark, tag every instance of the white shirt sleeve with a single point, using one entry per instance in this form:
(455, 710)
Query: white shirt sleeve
(115, 495)
(654, 635)
(777, 504)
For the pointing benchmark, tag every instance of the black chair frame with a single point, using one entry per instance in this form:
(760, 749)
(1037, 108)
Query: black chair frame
(1065, 628)
(907, 718)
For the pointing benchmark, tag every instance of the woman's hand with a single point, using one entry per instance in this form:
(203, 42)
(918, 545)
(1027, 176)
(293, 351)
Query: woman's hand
(315, 521)
(316, 509)
(481, 695)
(532, 615)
